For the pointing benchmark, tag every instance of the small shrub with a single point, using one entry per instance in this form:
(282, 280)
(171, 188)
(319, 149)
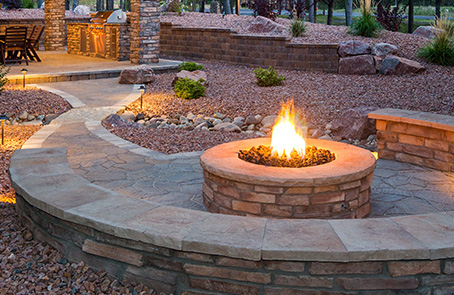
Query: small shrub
(189, 66)
(27, 4)
(298, 28)
(3, 80)
(189, 89)
(390, 18)
(365, 25)
(262, 8)
(176, 6)
(268, 77)
(441, 49)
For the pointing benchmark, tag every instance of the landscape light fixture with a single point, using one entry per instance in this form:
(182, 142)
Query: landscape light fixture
(3, 118)
(142, 90)
(24, 71)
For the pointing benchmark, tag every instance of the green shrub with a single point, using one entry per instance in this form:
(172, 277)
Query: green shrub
(441, 49)
(176, 6)
(189, 89)
(365, 25)
(298, 28)
(3, 80)
(189, 66)
(268, 77)
(27, 4)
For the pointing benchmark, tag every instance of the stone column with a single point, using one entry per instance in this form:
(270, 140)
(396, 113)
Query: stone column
(55, 26)
(145, 31)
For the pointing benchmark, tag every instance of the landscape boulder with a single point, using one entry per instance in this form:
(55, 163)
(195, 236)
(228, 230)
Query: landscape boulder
(265, 25)
(354, 124)
(82, 10)
(195, 75)
(137, 75)
(269, 121)
(357, 65)
(114, 120)
(128, 116)
(427, 31)
(383, 49)
(394, 65)
(351, 48)
(227, 127)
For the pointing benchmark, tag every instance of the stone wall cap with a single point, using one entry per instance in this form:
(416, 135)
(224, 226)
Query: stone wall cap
(424, 119)
(72, 198)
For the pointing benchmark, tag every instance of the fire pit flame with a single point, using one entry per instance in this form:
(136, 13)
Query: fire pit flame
(286, 136)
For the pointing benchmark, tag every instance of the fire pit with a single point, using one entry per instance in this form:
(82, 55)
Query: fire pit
(339, 188)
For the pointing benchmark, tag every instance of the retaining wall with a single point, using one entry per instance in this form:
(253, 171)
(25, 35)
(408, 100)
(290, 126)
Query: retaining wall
(419, 138)
(228, 46)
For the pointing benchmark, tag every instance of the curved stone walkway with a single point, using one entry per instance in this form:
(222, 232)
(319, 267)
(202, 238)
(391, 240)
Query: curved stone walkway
(113, 163)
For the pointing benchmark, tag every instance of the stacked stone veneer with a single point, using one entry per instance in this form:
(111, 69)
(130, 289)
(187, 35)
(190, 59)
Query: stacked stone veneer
(225, 45)
(145, 31)
(424, 139)
(339, 189)
(189, 252)
(191, 273)
(55, 26)
(117, 49)
(345, 200)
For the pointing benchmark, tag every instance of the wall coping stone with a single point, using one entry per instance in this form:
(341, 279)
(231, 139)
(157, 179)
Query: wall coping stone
(44, 178)
(414, 117)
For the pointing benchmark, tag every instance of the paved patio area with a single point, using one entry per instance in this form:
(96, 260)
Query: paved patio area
(109, 161)
(59, 64)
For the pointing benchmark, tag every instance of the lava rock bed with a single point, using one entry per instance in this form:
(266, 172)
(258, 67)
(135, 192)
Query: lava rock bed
(262, 155)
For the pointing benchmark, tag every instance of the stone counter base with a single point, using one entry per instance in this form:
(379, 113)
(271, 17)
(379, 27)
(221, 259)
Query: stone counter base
(181, 272)
(346, 200)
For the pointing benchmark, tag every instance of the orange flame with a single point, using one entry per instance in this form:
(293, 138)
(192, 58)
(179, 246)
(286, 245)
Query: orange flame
(286, 136)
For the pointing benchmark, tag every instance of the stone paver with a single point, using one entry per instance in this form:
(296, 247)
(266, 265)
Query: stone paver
(176, 180)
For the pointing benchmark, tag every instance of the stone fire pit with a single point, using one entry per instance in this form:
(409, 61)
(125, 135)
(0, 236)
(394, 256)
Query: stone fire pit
(339, 189)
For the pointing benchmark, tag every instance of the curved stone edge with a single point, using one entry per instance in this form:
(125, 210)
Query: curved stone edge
(44, 179)
(351, 164)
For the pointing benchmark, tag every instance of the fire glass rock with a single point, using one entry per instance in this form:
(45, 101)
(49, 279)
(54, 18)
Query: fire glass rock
(262, 155)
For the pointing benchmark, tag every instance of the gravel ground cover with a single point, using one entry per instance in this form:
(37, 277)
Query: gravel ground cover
(28, 266)
(322, 97)
(408, 44)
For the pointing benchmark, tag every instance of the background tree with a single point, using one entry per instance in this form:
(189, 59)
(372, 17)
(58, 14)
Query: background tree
(227, 7)
(348, 12)
(411, 10)
(330, 4)
(438, 8)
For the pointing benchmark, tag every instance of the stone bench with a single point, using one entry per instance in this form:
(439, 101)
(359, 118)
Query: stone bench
(425, 139)
(192, 252)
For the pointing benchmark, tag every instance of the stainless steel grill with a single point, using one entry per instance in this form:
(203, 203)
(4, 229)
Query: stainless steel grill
(97, 32)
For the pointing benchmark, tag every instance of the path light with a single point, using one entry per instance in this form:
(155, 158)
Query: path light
(3, 118)
(142, 90)
(24, 71)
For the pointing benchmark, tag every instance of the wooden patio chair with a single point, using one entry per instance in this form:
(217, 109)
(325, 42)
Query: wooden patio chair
(33, 41)
(14, 46)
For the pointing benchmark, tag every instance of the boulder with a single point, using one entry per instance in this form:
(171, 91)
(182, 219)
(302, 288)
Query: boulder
(137, 75)
(354, 124)
(427, 31)
(227, 127)
(251, 120)
(394, 65)
(82, 10)
(114, 120)
(378, 61)
(269, 121)
(128, 116)
(196, 76)
(265, 25)
(351, 48)
(357, 65)
(383, 49)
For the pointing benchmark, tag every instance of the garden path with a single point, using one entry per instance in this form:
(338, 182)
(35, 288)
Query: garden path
(111, 162)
